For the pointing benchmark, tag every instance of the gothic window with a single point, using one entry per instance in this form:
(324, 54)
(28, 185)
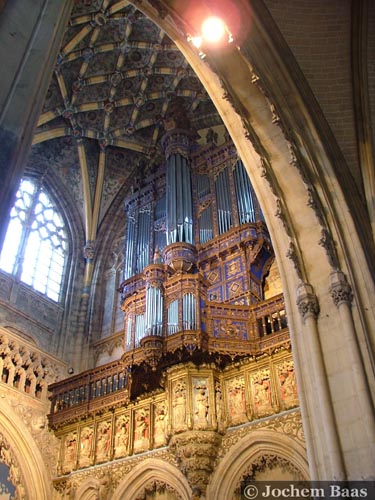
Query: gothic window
(35, 248)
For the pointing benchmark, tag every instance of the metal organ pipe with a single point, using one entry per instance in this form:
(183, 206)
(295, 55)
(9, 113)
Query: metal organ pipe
(189, 311)
(179, 200)
(205, 225)
(173, 317)
(154, 311)
(130, 243)
(223, 202)
(245, 194)
(139, 328)
(128, 344)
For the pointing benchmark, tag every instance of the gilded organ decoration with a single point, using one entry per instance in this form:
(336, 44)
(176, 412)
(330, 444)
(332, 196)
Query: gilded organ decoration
(201, 404)
(287, 384)
(141, 429)
(160, 424)
(85, 446)
(103, 441)
(122, 429)
(236, 400)
(179, 405)
(261, 387)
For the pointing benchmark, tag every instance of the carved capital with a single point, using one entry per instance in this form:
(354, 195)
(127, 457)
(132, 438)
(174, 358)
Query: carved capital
(341, 291)
(89, 250)
(307, 301)
(196, 452)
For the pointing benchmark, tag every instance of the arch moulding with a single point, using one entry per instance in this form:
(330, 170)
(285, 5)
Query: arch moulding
(150, 470)
(230, 470)
(33, 476)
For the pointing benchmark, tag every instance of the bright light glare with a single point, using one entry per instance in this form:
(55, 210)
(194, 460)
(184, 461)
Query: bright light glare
(213, 29)
(196, 41)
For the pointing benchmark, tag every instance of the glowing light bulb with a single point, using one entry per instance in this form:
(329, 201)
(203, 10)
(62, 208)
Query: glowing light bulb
(213, 29)
(196, 41)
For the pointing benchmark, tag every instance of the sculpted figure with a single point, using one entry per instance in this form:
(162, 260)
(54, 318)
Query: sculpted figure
(122, 436)
(201, 406)
(103, 441)
(179, 405)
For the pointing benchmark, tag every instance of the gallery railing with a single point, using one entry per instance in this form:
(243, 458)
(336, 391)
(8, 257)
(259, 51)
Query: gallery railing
(235, 331)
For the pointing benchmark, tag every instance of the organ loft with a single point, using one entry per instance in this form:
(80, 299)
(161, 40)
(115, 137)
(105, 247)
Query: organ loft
(206, 351)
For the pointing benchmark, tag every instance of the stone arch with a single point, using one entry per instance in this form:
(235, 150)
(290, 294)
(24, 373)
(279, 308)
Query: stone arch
(314, 214)
(29, 469)
(148, 471)
(256, 448)
(93, 488)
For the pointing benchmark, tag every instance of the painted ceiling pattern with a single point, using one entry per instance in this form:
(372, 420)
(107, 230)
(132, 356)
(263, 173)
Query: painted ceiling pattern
(115, 77)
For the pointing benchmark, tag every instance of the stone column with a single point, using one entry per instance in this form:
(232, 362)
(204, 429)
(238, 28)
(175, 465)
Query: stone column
(342, 297)
(323, 418)
(30, 38)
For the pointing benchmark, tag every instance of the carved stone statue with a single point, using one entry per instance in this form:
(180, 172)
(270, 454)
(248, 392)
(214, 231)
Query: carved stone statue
(179, 405)
(160, 424)
(201, 406)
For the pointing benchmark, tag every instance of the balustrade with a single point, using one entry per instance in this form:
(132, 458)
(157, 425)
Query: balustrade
(264, 324)
(89, 391)
(26, 368)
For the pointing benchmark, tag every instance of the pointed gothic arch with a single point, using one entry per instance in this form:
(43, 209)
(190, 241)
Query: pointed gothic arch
(26, 459)
(313, 212)
(148, 471)
(250, 452)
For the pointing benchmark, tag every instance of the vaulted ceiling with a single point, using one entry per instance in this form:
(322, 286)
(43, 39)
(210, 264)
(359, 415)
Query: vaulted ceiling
(102, 120)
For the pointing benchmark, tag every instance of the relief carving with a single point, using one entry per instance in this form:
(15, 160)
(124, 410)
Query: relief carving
(141, 430)
(85, 447)
(201, 404)
(237, 400)
(7, 457)
(69, 452)
(122, 427)
(261, 387)
(179, 405)
(160, 424)
(103, 441)
(287, 384)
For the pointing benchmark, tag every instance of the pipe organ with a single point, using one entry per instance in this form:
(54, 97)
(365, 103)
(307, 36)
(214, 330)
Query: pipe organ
(195, 238)
(203, 349)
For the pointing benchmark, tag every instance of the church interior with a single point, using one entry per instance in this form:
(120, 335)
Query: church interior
(187, 247)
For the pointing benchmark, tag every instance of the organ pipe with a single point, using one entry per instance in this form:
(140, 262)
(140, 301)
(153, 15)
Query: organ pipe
(128, 342)
(245, 194)
(205, 225)
(130, 245)
(139, 328)
(179, 200)
(173, 317)
(189, 312)
(143, 241)
(154, 311)
(223, 202)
